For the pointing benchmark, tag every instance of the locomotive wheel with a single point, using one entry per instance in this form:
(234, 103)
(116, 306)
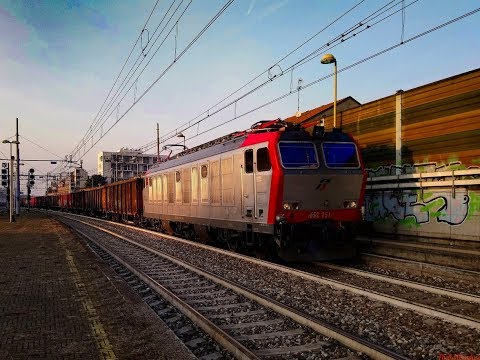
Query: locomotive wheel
(232, 243)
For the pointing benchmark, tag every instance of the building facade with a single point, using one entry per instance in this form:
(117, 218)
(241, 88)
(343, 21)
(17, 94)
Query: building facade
(69, 182)
(124, 164)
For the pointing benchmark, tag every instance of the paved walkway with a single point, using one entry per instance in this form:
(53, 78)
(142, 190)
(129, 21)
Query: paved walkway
(59, 301)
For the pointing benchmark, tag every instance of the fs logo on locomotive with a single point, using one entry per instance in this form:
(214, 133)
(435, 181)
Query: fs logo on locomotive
(323, 184)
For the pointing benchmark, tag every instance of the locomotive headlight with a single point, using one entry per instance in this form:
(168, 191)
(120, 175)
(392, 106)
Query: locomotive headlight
(291, 205)
(280, 217)
(350, 204)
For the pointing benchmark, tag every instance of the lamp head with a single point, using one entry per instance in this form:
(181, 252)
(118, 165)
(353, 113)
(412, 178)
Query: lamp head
(328, 59)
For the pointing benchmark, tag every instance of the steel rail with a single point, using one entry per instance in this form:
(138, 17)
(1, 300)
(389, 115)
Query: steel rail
(221, 337)
(351, 341)
(389, 299)
(407, 283)
(424, 266)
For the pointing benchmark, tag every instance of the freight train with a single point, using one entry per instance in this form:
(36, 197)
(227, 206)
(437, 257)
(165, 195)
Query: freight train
(274, 189)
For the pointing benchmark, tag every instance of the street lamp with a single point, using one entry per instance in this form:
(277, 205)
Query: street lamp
(12, 219)
(180, 135)
(328, 59)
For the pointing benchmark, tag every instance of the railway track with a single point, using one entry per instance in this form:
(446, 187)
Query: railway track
(232, 314)
(427, 270)
(404, 331)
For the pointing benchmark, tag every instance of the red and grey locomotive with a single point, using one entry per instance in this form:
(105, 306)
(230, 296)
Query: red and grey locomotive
(275, 188)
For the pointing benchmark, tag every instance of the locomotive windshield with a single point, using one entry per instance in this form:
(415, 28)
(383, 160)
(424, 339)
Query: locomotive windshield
(340, 155)
(298, 155)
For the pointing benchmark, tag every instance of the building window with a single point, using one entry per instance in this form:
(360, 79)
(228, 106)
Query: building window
(204, 183)
(263, 160)
(249, 161)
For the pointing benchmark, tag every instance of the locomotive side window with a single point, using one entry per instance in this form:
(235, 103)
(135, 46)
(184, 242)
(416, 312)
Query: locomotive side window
(171, 188)
(150, 189)
(227, 181)
(195, 185)
(298, 155)
(159, 188)
(178, 186)
(186, 185)
(204, 184)
(249, 161)
(263, 160)
(340, 155)
(153, 184)
(165, 192)
(215, 186)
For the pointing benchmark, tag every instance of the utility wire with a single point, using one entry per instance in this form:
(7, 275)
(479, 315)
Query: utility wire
(362, 25)
(129, 75)
(207, 112)
(121, 70)
(281, 97)
(135, 67)
(41, 147)
(179, 56)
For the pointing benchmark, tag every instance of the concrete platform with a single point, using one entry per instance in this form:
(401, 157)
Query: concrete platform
(59, 301)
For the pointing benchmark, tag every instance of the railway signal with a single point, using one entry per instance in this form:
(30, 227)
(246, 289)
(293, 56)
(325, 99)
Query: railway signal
(5, 174)
(31, 177)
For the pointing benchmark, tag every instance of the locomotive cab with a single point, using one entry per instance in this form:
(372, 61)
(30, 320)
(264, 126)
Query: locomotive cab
(321, 197)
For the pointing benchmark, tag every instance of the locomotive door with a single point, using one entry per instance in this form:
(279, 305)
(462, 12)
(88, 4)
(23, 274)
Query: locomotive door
(248, 186)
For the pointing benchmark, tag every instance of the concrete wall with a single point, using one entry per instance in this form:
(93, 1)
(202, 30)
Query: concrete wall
(432, 213)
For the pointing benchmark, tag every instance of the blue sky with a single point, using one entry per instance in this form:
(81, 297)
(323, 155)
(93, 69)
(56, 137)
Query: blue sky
(58, 60)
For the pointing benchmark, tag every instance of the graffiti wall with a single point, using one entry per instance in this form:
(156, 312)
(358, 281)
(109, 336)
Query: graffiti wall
(439, 213)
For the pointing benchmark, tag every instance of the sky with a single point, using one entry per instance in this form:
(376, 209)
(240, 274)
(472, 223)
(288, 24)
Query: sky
(59, 59)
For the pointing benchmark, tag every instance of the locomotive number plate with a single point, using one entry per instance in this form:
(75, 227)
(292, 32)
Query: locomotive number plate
(320, 215)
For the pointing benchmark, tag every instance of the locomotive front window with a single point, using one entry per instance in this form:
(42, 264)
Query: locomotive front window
(298, 155)
(340, 155)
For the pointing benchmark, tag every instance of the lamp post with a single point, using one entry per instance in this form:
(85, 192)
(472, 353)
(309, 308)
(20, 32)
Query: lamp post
(329, 59)
(12, 219)
(180, 135)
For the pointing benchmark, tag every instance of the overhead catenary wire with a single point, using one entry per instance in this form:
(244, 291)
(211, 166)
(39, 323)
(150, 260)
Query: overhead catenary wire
(113, 104)
(207, 111)
(337, 40)
(135, 67)
(368, 58)
(179, 56)
(41, 147)
(119, 74)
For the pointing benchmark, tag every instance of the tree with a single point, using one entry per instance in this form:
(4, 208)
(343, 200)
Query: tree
(95, 180)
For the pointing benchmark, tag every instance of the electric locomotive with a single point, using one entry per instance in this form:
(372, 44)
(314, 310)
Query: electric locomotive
(276, 189)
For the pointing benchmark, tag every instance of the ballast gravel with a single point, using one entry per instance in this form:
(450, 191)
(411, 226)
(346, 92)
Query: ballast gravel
(405, 332)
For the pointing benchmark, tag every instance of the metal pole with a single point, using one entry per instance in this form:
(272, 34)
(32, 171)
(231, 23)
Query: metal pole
(17, 190)
(335, 96)
(158, 144)
(12, 219)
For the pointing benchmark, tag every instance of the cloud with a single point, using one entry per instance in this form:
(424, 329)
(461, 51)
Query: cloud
(269, 10)
(250, 8)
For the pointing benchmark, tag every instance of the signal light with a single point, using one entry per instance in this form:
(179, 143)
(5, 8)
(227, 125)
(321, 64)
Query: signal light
(31, 177)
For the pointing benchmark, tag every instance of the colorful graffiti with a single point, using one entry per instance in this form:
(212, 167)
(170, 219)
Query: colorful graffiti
(411, 209)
